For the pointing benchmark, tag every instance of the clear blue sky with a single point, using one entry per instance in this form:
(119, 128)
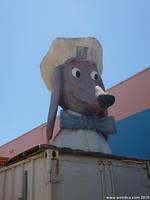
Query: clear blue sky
(27, 29)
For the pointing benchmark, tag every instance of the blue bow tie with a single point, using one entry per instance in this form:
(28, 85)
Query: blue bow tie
(102, 125)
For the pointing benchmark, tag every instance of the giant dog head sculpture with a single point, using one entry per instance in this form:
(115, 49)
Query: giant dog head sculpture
(71, 70)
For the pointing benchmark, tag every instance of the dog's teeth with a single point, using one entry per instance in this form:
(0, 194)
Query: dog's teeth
(99, 91)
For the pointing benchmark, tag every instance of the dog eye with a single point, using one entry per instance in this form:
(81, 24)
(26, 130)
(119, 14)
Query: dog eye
(76, 72)
(94, 75)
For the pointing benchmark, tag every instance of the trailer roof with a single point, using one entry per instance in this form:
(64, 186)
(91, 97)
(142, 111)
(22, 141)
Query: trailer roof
(67, 151)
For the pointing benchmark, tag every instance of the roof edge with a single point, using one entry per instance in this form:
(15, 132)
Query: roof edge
(131, 77)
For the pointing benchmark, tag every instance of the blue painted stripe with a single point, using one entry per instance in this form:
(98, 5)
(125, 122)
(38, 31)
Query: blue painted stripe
(133, 136)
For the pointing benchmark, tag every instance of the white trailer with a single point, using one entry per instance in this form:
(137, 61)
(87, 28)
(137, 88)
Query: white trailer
(49, 173)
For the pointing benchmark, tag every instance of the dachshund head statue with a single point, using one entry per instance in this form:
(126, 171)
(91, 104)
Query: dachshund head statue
(72, 72)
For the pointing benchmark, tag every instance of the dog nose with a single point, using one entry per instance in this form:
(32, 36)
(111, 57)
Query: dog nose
(104, 99)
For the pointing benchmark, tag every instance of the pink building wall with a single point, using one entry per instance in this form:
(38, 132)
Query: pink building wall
(30, 139)
(132, 95)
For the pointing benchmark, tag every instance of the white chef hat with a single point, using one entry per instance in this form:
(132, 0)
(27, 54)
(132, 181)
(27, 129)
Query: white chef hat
(86, 48)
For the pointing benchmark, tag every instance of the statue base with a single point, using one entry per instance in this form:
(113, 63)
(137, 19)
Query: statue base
(82, 139)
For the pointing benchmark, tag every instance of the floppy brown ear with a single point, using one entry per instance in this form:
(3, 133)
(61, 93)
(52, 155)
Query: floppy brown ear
(55, 99)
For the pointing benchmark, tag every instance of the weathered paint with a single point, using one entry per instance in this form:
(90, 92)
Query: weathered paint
(59, 174)
(3, 160)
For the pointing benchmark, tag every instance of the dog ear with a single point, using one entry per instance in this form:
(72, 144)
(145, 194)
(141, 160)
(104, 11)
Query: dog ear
(55, 100)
